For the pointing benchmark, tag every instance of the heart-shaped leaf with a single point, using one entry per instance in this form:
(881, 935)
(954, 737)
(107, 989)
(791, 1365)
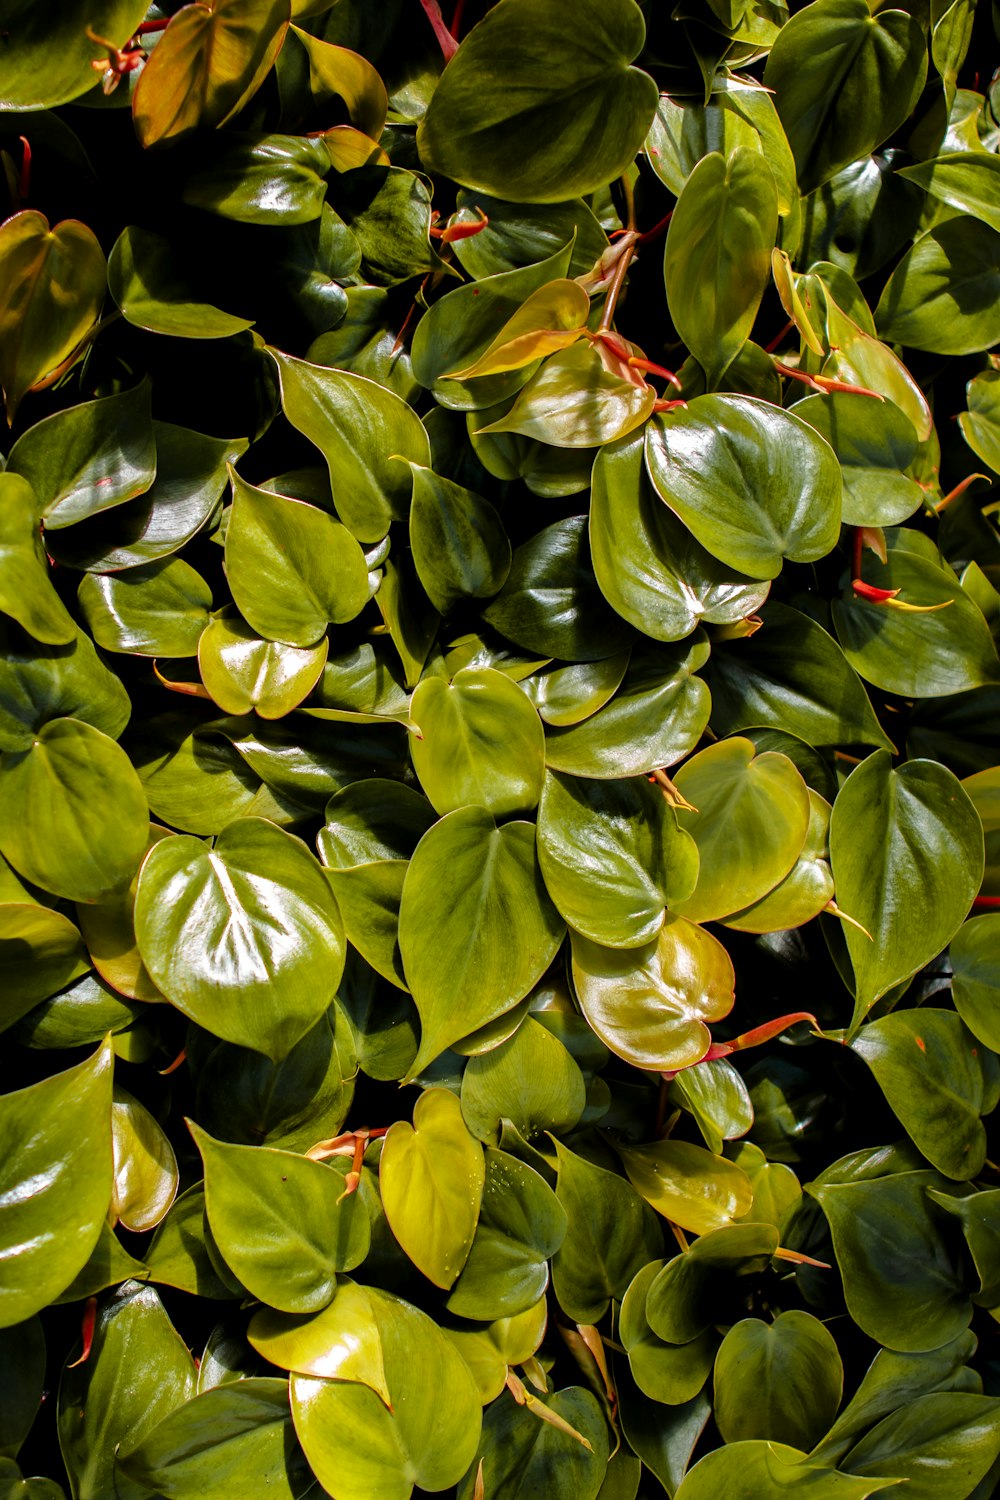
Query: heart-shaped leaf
(779, 1381)
(480, 742)
(27, 593)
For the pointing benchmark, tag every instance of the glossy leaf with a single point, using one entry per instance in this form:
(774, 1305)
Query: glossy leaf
(74, 817)
(943, 294)
(964, 180)
(48, 59)
(459, 545)
(468, 884)
(938, 1442)
(769, 1470)
(56, 1182)
(690, 1186)
(975, 980)
(516, 148)
(530, 1080)
(650, 1005)
(254, 918)
(753, 483)
(481, 742)
(875, 445)
(669, 1373)
(145, 1165)
(278, 1221)
(521, 1453)
(243, 672)
(780, 1381)
(158, 610)
(920, 838)
(26, 590)
(153, 293)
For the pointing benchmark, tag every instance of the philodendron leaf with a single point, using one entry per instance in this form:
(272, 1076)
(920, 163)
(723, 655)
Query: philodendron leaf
(242, 671)
(790, 675)
(54, 281)
(904, 1283)
(27, 593)
(431, 1176)
(981, 423)
(966, 180)
(843, 82)
(157, 610)
(145, 1165)
(612, 1233)
(55, 1182)
(73, 815)
(530, 1080)
(563, 1456)
(342, 1342)
(749, 820)
(975, 982)
(155, 294)
(22, 1383)
(613, 857)
(361, 428)
(362, 1447)
(481, 742)
(292, 568)
(875, 444)
(670, 1373)
(780, 1381)
(40, 953)
(938, 1444)
(769, 1471)
(89, 458)
(244, 938)
(906, 852)
(649, 567)
(945, 293)
(690, 1186)
(138, 1372)
(806, 890)
(938, 1082)
(650, 1005)
(279, 1223)
(753, 483)
(47, 59)
(491, 1351)
(207, 66)
(684, 1297)
(233, 1438)
(460, 548)
(497, 119)
(469, 884)
(717, 260)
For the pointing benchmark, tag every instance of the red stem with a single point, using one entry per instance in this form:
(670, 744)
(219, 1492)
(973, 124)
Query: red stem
(779, 337)
(858, 546)
(456, 20)
(24, 180)
(446, 41)
(147, 28)
(656, 231)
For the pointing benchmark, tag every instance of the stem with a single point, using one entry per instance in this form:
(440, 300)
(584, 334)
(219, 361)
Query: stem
(779, 337)
(858, 548)
(657, 229)
(24, 179)
(629, 201)
(148, 28)
(445, 40)
(614, 290)
(456, 20)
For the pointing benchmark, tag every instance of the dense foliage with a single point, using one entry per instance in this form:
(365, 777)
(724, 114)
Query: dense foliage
(499, 702)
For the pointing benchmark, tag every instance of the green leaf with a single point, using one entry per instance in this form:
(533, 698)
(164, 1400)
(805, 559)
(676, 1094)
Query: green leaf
(40, 953)
(26, 590)
(685, 1296)
(154, 293)
(753, 483)
(569, 694)
(576, 401)
(805, 891)
(981, 423)
(715, 1094)
(426, 1433)
(903, 1282)
(207, 66)
(522, 1455)
(844, 80)
(145, 1165)
(509, 137)
(278, 1221)
(460, 548)
(343, 1342)
(938, 1083)
(360, 427)
(481, 742)
(905, 851)
(74, 817)
(968, 181)
(55, 1182)
(530, 1080)
(790, 675)
(179, 1254)
(47, 59)
(292, 568)
(613, 857)
(688, 1185)
(252, 919)
(55, 287)
(88, 458)
(780, 1381)
(612, 1233)
(750, 819)
(232, 1438)
(875, 444)
(975, 983)
(158, 610)
(648, 566)
(277, 180)
(491, 1351)
(944, 293)
(768, 1471)
(685, 130)
(650, 1005)
(521, 1225)
(656, 717)
(468, 886)
(242, 672)
(925, 655)
(389, 213)
(519, 234)
(431, 1176)
(718, 255)
(939, 1445)
(669, 1373)
(138, 1372)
